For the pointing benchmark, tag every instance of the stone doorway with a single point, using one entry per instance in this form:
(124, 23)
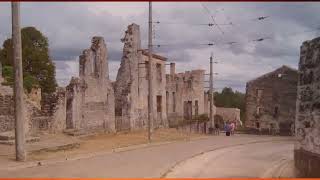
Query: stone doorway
(159, 109)
(219, 120)
(187, 106)
(69, 122)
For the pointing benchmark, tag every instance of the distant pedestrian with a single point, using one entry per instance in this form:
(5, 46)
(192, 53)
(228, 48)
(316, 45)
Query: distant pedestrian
(227, 128)
(232, 126)
(216, 129)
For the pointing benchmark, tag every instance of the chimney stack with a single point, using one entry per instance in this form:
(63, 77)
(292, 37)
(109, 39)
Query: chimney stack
(172, 69)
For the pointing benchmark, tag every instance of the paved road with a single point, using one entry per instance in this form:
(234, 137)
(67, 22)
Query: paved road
(249, 161)
(145, 162)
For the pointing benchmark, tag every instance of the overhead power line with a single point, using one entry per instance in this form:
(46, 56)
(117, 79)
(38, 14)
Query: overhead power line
(195, 24)
(213, 20)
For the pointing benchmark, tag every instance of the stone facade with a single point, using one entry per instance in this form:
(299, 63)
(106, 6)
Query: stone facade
(131, 85)
(184, 94)
(307, 149)
(270, 100)
(90, 97)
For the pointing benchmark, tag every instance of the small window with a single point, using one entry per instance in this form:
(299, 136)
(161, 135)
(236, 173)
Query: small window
(257, 125)
(258, 110)
(259, 93)
(174, 102)
(159, 103)
(189, 84)
(159, 73)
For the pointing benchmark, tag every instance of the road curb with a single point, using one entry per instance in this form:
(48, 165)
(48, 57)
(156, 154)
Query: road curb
(163, 175)
(94, 154)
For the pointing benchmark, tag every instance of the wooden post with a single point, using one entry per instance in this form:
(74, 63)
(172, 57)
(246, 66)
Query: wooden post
(18, 84)
(150, 78)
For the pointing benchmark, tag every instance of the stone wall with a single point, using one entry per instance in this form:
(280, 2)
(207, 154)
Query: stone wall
(200, 128)
(307, 150)
(270, 100)
(90, 97)
(6, 112)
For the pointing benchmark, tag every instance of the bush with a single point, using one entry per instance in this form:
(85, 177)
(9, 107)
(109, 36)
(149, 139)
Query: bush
(7, 73)
(29, 82)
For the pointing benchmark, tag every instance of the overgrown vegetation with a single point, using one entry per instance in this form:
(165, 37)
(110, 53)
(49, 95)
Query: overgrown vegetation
(231, 99)
(38, 68)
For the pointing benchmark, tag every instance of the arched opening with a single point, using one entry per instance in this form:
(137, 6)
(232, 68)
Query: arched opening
(219, 120)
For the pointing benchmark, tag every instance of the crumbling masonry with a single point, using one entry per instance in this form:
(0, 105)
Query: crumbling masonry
(307, 150)
(131, 86)
(90, 97)
(92, 102)
(185, 94)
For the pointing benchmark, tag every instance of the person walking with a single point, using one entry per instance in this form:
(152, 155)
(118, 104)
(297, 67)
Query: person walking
(216, 129)
(227, 128)
(232, 127)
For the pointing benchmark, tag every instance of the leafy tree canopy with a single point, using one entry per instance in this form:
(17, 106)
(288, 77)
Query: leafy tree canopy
(38, 68)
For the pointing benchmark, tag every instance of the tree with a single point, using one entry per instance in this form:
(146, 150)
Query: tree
(230, 99)
(38, 68)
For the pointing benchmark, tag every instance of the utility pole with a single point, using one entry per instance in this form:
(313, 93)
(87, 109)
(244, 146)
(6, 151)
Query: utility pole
(18, 81)
(150, 97)
(210, 91)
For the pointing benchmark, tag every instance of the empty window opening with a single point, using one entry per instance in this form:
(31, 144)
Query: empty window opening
(159, 103)
(159, 73)
(196, 110)
(173, 102)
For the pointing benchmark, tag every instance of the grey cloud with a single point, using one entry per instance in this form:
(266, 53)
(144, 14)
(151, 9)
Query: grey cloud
(70, 26)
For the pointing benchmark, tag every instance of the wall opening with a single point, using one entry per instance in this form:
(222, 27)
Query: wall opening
(174, 101)
(187, 106)
(159, 103)
(159, 72)
(196, 110)
(276, 111)
(167, 102)
(257, 125)
(259, 93)
(189, 84)
(69, 123)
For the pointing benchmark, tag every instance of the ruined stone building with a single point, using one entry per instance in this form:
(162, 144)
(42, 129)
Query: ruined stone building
(185, 98)
(270, 100)
(307, 149)
(92, 102)
(41, 114)
(90, 97)
(131, 85)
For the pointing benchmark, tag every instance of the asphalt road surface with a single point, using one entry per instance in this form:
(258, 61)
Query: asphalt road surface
(248, 161)
(239, 155)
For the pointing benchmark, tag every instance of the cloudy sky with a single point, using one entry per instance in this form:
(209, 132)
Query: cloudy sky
(70, 26)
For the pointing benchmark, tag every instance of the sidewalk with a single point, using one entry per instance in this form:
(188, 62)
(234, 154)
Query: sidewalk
(60, 147)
